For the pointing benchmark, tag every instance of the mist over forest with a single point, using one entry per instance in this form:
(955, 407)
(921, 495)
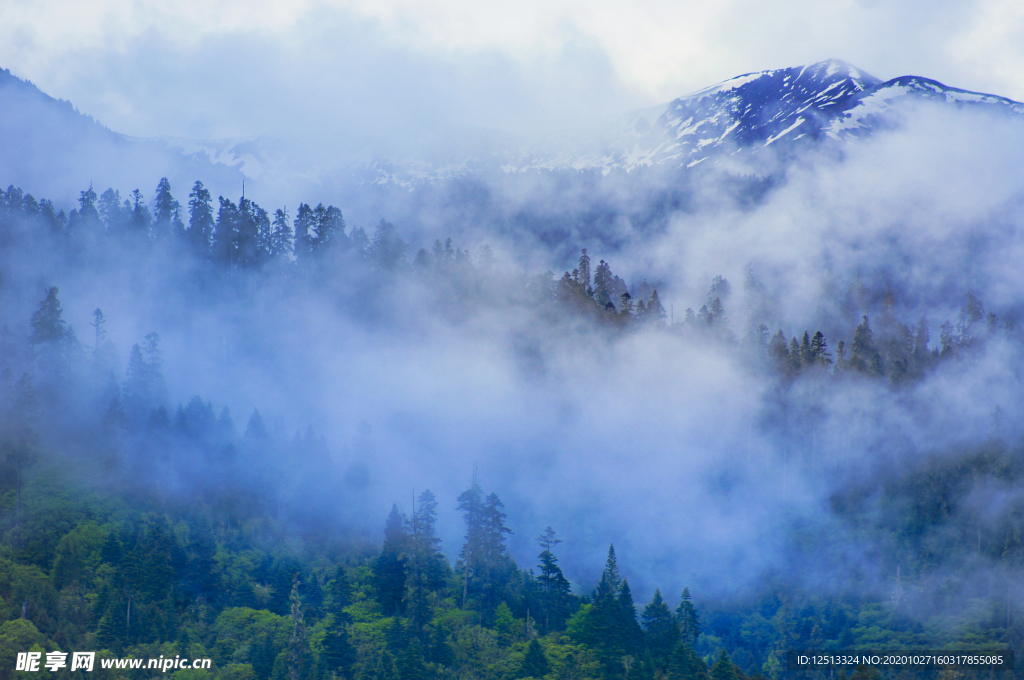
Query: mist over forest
(312, 445)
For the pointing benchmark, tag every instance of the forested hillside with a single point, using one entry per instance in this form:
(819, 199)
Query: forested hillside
(141, 518)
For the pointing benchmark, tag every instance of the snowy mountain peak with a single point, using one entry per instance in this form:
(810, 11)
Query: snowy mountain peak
(824, 75)
(780, 110)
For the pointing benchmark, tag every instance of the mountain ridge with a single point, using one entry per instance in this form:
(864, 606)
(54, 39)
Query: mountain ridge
(750, 121)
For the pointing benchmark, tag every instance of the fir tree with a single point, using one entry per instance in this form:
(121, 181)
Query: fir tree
(583, 267)
(109, 207)
(655, 312)
(426, 564)
(555, 588)
(200, 219)
(387, 250)
(535, 663)
(304, 226)
(166, 210)
(225, 233)
(390, 569)
(281, 242)
(688, 620)
(139, 220)
(723, 668)
(661, 631)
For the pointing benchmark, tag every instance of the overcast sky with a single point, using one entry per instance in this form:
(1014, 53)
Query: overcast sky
(221, 68)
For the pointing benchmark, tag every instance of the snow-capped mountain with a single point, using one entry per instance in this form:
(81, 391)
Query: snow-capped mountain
(752, 121)
(775, 111)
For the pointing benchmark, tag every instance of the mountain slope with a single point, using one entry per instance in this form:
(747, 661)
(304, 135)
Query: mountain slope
(778, 110)
(53, 150)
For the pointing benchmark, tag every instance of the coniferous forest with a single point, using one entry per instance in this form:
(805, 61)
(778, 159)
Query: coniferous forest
(829, 498)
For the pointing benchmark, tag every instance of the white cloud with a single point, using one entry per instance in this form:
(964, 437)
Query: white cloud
(490, 64)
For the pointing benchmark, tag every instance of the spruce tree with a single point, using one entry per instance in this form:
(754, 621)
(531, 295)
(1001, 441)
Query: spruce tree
(555, 589)
(139, 221)
(338, 652)
(282, 240)
(684, 664)
(583, 267)
(863, 344)
(247, 234)
(165, 212)
(655, 312)
(535, 662)
(630, 633)
(304, 231)
(470, 503)
(200, 220)
(723, 668)
(426, 564)
(661, 631)
(603, 284)
(390, 568)
(688, 620)
(109, 207)
(225, 233)
(604, 629)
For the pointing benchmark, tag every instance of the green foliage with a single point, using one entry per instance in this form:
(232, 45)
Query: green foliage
(535, 663)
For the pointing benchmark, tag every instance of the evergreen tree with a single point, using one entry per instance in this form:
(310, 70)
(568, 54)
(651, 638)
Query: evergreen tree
(806, 356)
(410, 664)
(583, 267)
(688, 620)
(330, 228)
(247, 234)
(720, 287)
(795, 360)
(604, 627)
(19, 442)
(338, 652)
(305, 223)
(921, 339)
(48, 326)
(426, 564)
(139, 220)
(535, 663)
(863, 344)
(723, 668)
(661, 630)
(555, 589)
(281, 242)
(86, 218)
(497, 566)
(819, 353)
(604, 284)
(166, 210)
(53, 343)
(298, 659)
(686, 665)
(143, 388)
(629, 630)
(470, 503)
(655, 312)
(716, 312)
(779, 351)
(647, 670)
(388, 250)
(109, 207)
(625, 306)
(255, 429)
(225, 235)
(200, 219)
(390, 569)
